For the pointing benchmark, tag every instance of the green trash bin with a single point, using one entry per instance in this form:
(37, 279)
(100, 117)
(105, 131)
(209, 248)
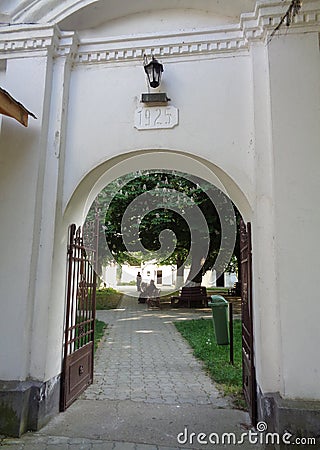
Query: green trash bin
(219, 307)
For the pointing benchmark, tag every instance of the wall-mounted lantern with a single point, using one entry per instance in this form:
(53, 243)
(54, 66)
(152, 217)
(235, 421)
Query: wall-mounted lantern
(154, 70)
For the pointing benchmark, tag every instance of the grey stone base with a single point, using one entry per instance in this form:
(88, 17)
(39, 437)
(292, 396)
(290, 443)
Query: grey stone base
(298, 417)
(27, 405)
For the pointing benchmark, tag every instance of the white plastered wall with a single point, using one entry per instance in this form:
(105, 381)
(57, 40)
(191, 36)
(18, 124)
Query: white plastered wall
(22, 153)
(215, 115)
(295, 97)
(239, 116)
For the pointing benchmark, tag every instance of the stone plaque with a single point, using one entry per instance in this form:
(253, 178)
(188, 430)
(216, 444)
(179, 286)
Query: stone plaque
(156, 117)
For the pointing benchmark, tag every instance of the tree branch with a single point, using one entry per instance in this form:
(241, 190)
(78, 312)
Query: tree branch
(288, 17)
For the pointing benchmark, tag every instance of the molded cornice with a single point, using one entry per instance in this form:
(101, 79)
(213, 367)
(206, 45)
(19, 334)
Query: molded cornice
(34, 39)
(21, 41)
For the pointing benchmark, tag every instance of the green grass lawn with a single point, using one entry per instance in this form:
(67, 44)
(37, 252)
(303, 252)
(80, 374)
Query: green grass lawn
(214, 290)
(107, 298)
(99, 331)
(200, 335)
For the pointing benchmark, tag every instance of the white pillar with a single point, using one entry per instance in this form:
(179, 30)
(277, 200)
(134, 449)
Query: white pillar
(295, 98)
(31, 322)
(267, 340)
(48, 321)
(21, 181)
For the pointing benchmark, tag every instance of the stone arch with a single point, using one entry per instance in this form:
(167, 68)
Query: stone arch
(55, 11)
(96, 179)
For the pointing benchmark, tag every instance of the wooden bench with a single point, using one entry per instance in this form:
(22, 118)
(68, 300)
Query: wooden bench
(195, 296)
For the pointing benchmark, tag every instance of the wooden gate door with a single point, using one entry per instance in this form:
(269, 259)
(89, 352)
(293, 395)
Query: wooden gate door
(78, 348)
(249, 373)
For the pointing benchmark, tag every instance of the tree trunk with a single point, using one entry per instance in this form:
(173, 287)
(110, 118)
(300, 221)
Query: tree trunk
(220, 281)
(198, 260)
(195, 275)
(180, 273)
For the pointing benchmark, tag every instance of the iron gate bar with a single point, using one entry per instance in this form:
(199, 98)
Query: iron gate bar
(248, 367)
(78, 349)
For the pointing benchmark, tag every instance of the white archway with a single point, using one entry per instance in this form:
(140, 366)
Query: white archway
(95, 180)
(55, 11)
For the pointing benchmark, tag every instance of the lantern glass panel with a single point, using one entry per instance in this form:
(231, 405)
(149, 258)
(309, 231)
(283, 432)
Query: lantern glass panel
(154, 70)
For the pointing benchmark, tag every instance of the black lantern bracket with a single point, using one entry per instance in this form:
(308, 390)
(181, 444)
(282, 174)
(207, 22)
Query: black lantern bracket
(155, 98)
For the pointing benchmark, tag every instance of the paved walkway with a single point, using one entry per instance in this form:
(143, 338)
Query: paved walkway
(145, 359)
(148, 388)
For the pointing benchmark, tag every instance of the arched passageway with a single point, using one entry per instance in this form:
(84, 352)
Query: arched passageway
(113, 370)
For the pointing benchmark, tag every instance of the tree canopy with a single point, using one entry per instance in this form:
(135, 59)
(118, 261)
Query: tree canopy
(137, 211)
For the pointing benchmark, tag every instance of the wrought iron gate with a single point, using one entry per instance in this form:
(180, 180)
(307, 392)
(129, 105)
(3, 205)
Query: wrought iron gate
(77, 370)
(249, 373)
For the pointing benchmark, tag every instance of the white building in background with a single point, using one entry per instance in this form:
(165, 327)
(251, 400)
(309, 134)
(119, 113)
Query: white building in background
(109, 275)
(243, 114)
(162, 275)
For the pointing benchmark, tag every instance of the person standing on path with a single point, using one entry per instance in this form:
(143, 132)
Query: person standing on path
(139, 279)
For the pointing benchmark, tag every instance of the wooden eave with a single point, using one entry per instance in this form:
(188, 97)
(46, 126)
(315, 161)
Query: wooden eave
(12, 108)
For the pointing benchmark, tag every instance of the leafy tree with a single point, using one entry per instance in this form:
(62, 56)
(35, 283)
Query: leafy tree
(159, 201)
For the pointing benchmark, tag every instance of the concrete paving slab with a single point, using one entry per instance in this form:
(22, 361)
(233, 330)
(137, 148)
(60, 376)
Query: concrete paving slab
(148, 390)
(143, 423)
